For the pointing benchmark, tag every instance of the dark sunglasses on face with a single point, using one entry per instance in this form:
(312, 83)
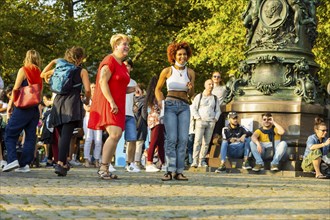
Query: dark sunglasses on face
(322, 130)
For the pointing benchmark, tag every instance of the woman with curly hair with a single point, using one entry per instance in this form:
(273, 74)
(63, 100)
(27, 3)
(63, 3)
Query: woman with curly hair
(180, 86)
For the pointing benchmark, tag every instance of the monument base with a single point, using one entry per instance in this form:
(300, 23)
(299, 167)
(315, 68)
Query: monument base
(294, 115)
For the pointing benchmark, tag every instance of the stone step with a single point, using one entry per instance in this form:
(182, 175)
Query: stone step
(283, 173)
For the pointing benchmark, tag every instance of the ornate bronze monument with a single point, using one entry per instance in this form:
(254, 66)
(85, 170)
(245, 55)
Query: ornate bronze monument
(279, 73)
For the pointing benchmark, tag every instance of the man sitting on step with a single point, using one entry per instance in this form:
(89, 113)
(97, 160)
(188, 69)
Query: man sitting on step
(235, 142)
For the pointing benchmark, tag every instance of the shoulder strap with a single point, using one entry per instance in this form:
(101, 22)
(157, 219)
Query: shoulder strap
(215, 102)
(188, 74)
(170, 71)
(27, 76)
(199, 101)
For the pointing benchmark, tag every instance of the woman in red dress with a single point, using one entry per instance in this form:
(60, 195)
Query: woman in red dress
(108, 107)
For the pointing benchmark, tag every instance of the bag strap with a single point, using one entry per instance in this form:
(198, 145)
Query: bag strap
(215, 101)
(199, 101)
(26, 72)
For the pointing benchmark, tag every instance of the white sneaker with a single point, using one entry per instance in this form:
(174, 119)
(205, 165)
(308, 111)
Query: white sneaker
(194, 164)
(74, 163)
(3, 163)
(11, 166)
(151, 168)
(133, 168)
(202, 164)
(24, 169)
(111, 168)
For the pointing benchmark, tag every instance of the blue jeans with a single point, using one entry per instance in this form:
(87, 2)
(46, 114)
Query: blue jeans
(176, 122)
(130, 129)
(27, 120)
(190, 147)
(280, 149)
(235, 150)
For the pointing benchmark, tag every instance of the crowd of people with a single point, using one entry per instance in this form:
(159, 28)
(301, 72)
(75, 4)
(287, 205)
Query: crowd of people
(180, 132)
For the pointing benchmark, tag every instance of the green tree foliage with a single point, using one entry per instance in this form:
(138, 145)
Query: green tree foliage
(28, 24)
(321, 49)
(151, 24)
(219, 38)
(213, 28)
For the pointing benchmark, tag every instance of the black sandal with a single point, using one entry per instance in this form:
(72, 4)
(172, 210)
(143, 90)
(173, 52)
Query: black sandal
(60, 170)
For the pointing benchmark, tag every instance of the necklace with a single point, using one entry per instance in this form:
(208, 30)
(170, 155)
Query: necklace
(181, 71)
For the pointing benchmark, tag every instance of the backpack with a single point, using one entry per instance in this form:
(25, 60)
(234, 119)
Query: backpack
(61, 82)
(199, 103)
(200, 98)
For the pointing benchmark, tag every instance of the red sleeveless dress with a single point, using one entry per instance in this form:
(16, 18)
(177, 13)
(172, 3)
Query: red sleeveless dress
(32, 73)
(100, 111)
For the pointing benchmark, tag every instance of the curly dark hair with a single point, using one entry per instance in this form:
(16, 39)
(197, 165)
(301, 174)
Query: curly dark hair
(174, 47)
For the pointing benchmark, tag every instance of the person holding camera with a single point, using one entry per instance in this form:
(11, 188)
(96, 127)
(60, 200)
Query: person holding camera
(265, 138)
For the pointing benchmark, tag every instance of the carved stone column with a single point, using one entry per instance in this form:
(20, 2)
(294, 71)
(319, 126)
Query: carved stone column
(279, 73)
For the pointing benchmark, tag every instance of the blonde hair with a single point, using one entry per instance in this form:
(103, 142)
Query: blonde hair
(75, 55)
(115, 39)
(32, 57)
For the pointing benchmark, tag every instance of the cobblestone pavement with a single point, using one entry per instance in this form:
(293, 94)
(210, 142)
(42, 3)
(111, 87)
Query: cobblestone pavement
(40, 194)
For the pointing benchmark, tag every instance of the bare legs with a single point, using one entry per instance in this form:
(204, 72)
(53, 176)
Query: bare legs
(316, 164)
(131, 147)
(110, 145)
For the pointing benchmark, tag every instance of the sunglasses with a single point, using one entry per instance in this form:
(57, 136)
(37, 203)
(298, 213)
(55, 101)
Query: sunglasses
(219, 77)
(322, 130)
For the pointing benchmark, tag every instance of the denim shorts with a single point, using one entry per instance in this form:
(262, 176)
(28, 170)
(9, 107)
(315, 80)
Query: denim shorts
(130, 129)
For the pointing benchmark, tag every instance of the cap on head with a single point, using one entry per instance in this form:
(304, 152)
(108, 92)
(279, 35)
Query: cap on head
(232, 115)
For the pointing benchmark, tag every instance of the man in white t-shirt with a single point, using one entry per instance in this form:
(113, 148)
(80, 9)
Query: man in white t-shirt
(206, 112)
(130, 124)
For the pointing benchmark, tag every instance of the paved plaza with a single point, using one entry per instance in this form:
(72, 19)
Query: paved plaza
(40, 194)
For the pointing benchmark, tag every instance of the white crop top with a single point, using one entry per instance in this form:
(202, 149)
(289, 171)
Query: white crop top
(178, 80)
